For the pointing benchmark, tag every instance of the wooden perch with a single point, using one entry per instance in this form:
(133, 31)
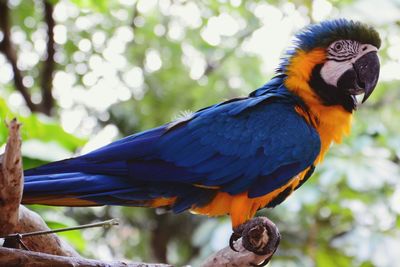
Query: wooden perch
(11, 180)
(260, 237)
(18, 257)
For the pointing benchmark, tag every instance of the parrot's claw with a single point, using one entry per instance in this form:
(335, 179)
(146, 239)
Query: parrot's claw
(234, 237)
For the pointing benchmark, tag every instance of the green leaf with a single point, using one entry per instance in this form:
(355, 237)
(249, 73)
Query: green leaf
(53, 2)
(35, 127)
(328, 257)
(96, 5)
(74, 237)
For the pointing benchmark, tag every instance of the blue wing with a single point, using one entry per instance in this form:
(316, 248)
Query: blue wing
(254, 144)
(258, 150)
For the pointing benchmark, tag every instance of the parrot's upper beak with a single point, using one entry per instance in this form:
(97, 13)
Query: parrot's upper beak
(367, 73)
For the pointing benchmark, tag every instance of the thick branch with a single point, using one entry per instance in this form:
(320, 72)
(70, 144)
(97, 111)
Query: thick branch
(8, 50)
(11, 181)
(226, 257)
(49, 64)
(30, 221)
(17, 257)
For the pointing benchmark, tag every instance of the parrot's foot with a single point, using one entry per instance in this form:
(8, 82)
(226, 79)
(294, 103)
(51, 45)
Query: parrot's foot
(237, 234)
(259, 235)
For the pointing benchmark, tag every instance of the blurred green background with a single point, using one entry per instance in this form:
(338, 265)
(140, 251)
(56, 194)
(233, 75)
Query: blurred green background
(82, 73)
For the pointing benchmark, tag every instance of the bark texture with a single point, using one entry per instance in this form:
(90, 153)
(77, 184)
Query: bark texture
(17, 257)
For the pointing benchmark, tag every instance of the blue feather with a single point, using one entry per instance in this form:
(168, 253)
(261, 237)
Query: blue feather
(253, 144)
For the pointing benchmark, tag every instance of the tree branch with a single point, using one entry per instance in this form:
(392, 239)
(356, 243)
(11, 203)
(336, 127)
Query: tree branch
(30, 221)
(49, 64)
(11, 181)
(17, 257)
(226, 257)
(7, 48)
(105, 224)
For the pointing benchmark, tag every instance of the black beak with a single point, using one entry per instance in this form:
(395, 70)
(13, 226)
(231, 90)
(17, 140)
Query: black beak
(367, 72)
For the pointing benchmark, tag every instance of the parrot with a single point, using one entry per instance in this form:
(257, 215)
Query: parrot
(237, 156)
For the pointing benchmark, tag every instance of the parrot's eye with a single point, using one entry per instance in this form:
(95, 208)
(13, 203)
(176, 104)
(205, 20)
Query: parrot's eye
(338, 46)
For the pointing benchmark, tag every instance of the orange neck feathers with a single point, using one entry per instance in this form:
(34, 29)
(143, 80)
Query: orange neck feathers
(332, 122)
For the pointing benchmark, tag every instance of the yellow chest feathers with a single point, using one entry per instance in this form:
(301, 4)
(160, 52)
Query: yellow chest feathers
(332, 122)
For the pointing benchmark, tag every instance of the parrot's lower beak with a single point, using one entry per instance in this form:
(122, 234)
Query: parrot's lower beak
(367, 74)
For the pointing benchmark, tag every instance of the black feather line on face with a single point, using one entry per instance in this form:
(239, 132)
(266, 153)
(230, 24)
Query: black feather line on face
(329, 94)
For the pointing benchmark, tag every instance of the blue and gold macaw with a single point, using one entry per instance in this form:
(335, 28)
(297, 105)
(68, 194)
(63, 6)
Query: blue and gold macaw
(238, 156)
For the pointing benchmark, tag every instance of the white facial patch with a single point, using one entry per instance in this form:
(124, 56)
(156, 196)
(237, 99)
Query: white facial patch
(332, 70)
(342, 54)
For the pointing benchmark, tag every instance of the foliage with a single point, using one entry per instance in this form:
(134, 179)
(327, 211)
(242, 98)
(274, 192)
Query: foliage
(125, 66)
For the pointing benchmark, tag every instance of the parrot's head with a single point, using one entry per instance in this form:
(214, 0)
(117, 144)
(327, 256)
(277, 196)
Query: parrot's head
(332, 62)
